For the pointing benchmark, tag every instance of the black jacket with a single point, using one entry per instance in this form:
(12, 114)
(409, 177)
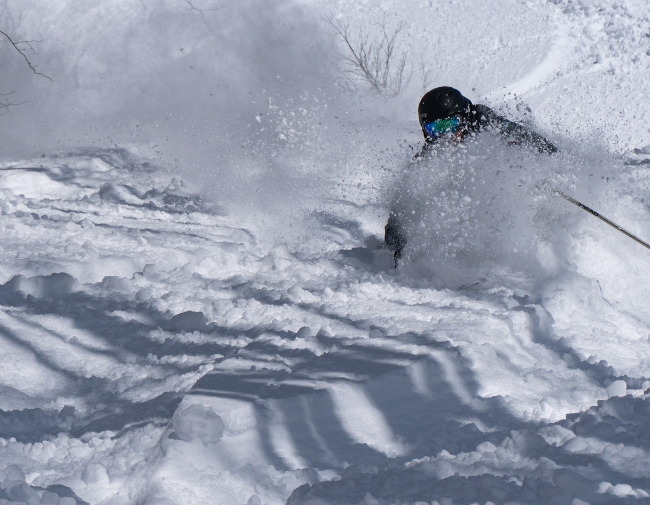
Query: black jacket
(482, 118)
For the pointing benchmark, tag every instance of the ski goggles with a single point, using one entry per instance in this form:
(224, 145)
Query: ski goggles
(441, 126)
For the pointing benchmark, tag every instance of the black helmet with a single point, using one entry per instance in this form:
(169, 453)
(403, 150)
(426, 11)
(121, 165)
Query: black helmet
(443, 102)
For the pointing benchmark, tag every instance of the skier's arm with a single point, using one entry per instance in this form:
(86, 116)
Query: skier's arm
(518, 135)
(514, 133)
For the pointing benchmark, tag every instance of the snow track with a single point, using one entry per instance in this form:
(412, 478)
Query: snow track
(208, 366)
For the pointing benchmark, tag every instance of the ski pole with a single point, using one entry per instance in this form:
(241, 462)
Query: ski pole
(602, 218)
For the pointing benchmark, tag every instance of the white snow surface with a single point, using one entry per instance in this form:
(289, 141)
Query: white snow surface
(194, 314)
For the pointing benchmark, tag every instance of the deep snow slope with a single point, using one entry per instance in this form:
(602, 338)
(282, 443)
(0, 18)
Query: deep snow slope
(155, 351)
(169, 343)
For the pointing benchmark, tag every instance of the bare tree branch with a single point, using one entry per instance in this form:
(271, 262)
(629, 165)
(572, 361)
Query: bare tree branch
(6, 104)
(10, 24)
(28, 43)
(202, 12)
(374, 60)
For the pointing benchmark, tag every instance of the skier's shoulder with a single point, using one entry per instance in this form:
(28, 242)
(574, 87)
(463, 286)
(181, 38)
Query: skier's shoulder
(483, 115)
(486, 118)
(482, 110)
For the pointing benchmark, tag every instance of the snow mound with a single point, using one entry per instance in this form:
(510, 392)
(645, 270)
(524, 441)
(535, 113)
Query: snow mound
(197, 423)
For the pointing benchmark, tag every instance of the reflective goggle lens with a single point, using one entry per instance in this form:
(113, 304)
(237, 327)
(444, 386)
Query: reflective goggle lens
(435, 128)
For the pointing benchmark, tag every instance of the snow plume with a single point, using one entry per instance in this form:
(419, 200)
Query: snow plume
(240, 98)
(162, 76)
(483, 210)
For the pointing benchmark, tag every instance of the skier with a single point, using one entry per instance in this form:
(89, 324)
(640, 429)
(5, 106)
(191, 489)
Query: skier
(445, 113)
